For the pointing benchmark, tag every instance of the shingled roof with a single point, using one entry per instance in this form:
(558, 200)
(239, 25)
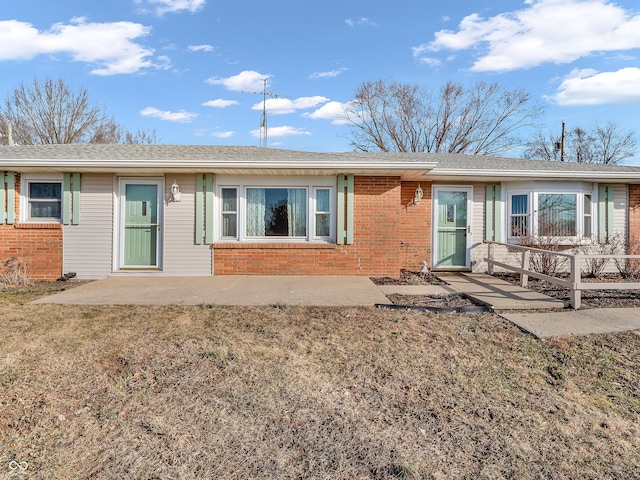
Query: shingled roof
(256, 160)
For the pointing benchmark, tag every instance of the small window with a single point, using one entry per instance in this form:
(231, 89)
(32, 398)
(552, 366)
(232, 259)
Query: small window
(587, 222)
(323, 212)
(229, 212)
(45, 201)
(519, 218)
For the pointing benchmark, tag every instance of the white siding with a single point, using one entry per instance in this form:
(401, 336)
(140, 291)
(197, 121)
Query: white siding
(478, 248)
(87, 246)
(182, 257)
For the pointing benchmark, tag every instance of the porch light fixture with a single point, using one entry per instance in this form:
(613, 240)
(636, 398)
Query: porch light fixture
(418, 196)
(175, 191)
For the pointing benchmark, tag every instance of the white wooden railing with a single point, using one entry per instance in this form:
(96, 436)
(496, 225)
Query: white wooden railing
(574, 283)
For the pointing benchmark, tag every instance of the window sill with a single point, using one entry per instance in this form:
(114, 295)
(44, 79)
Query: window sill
(39, 226)
(272, 246)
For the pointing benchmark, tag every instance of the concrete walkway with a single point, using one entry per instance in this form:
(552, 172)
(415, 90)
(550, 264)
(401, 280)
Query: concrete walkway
(223, 290)
(348, 291)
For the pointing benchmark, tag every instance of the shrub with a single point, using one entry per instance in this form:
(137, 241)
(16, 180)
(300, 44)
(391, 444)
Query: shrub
(14, 272)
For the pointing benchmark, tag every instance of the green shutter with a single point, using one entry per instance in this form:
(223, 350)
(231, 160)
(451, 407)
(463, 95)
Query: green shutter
(605, 213)
(75, 198)
(199, 208)
(71, 199)
(493, 214)
(10, 207)
(204, 208)
(208, 208)
(350, 208)
(345, 228)
(3, 205)
(341, 233)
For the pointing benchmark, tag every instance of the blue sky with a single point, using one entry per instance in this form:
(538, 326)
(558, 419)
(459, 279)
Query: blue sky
(181, 67)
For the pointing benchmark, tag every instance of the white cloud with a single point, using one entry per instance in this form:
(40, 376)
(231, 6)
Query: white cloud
(280, 132)
(110, 47)
(220, 103)
(279, 106)
(587, 87)
(363, 21)
(179, 117)
(201, 48)
(330, 74)
(545, 31)
(246, 80)
(223, 134)
(173, 6)
(334, 111)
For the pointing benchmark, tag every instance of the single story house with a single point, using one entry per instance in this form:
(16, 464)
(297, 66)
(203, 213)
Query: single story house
(103, 210)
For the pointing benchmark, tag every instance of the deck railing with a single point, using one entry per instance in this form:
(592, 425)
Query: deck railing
(574, 283)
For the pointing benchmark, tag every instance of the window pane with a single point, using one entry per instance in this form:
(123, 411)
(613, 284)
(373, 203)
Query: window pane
(41, 209)
(47, 191)
(229, 200)
(229, 225)
(276, 212)
(586, 227)
(519, 204)
(322, 225)
(45, 200)
(322, 200)
(557, 214)
(519, 215)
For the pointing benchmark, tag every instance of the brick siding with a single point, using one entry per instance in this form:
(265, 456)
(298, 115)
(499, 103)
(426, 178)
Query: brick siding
(634, 218)
(388, 236)
(38, 246)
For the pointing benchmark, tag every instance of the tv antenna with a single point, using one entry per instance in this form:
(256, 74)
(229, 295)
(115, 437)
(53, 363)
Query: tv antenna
(263, 117)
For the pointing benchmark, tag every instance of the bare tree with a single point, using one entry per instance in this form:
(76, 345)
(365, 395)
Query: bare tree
(403, 117)
(50, 112)
(605, 144)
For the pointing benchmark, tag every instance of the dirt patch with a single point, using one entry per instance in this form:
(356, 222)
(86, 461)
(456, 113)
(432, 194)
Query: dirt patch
(450, 300)
(408, 277)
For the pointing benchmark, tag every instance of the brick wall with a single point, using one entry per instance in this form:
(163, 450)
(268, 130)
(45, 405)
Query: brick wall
(376, 251)
(39, 246)
(415, 226)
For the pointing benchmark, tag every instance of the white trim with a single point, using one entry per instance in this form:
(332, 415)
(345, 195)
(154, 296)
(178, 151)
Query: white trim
(534, 189)
(25, 180)
(310, 183)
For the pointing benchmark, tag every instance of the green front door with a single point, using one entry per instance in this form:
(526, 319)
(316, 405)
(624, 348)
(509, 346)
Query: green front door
(452, 231)
(140, 225)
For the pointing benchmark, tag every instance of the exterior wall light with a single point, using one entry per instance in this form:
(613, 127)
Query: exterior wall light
(175, 191)
(418, 196)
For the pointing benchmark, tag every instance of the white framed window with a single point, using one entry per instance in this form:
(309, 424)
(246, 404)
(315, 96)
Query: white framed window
(41, 199)
(277, 209)
(229, 216)
(559, 211)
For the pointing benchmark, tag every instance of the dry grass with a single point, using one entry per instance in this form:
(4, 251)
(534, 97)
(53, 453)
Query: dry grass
(285, 392)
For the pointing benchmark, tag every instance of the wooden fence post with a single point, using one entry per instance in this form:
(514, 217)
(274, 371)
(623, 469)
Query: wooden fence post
(490, 258)
(576, 293)
(524, 278)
